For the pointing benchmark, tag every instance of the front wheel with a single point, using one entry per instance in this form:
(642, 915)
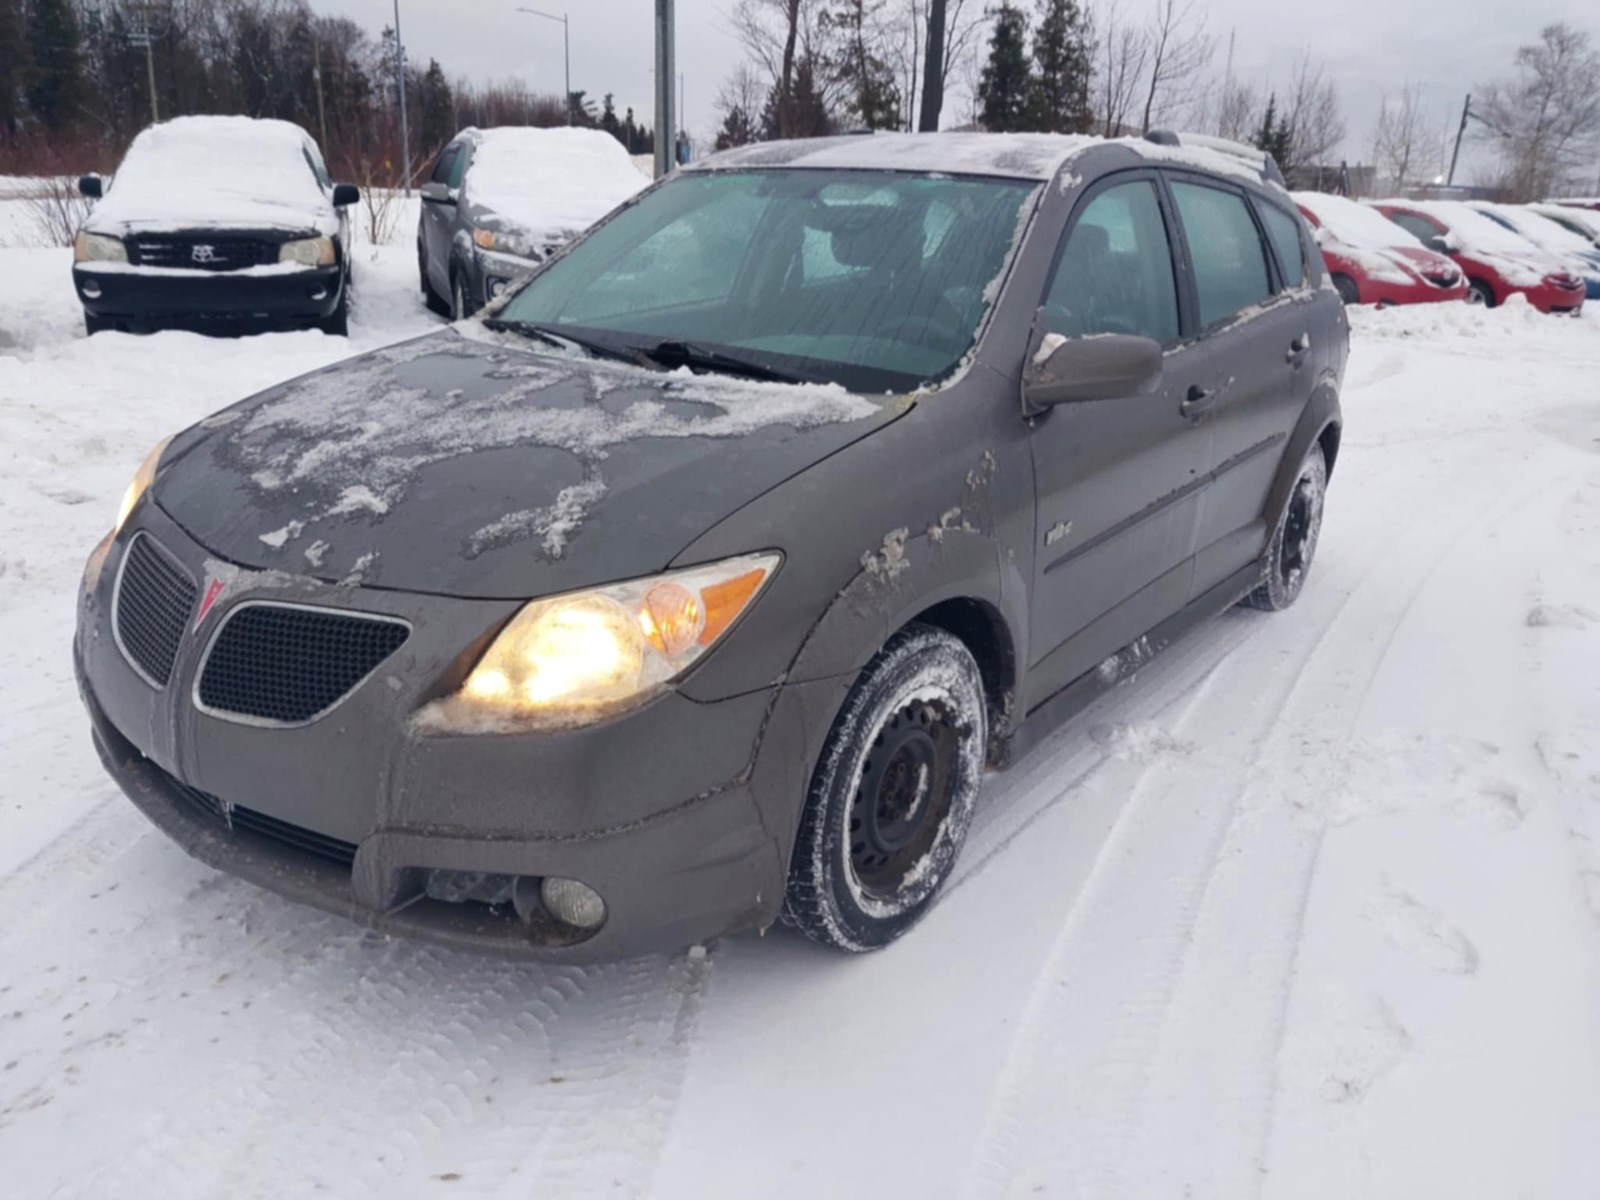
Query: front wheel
(93, 324)
(1294, 542)
(337, 323)
(1479, 292)
(892, 794)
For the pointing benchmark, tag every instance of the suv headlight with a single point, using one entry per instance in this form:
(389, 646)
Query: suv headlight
(97, 247)
(308, 252)
(504, 241)
(578, 658)
(142, 479)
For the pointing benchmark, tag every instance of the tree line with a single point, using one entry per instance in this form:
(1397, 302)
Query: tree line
(79, 78)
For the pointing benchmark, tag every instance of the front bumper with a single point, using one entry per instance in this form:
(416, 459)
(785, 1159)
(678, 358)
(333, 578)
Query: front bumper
(494, 273)
(1381, 291)
(680, 814)
(1552, 298)
(145, 299)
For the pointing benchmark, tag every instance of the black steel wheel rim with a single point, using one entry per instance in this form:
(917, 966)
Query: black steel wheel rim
(903, 796)
(1297, 530)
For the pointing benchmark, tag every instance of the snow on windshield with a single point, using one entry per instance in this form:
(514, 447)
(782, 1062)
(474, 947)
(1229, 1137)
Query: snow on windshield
(1471, 230)
(212, 172)
(1541, 231)
(1355, 224)
(550, 182)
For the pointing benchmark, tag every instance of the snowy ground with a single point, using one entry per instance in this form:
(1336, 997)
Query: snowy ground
(1309, 908)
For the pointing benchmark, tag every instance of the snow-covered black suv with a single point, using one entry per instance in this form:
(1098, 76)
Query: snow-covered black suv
(216, 223)
(696, 587)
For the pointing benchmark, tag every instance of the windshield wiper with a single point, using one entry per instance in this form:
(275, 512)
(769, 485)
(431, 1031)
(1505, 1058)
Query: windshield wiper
(671, 354)
(561, 339)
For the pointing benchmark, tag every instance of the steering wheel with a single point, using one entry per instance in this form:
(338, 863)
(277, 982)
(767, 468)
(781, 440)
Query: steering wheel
(948, 327)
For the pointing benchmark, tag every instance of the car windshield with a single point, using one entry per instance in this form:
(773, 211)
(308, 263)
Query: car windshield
(874, 280)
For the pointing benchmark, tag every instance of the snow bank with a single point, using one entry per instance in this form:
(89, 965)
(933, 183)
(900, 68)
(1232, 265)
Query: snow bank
(215, 172)
(550, 182)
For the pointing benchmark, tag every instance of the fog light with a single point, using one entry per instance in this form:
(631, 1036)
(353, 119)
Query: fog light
(318, 293)
(91, 289)
(572, 903)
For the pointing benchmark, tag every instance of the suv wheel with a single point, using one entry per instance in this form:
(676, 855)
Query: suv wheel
(434, 301)
(1294, 542)
(458, 298)
(892, 794)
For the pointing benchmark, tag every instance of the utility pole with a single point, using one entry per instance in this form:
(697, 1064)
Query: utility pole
(400, 71)
(666, 73)
(145, 36)
(1466, 112)
(566, 52)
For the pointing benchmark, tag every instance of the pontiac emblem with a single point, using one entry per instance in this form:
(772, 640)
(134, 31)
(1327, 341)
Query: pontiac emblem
(213, 593)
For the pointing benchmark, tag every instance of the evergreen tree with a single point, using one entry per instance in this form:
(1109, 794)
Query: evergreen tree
(14, 65)
(1006, 86)
(1063, 55)
(435, 107)
(1275, 136)
(873, 98)
(805, 115)
(608, 118)
(737, 129)
(55, 86)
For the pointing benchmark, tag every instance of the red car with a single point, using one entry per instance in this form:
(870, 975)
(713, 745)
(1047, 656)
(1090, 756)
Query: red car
(1371, 260)
(1497, 262)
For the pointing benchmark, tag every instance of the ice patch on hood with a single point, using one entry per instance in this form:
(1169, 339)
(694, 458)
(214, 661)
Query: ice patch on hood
(552, 525)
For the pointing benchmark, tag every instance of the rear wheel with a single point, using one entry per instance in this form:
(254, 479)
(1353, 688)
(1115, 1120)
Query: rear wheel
(892, 794)
(1294, 542)
(1479, 292)
(1347, 289)
(93, 324)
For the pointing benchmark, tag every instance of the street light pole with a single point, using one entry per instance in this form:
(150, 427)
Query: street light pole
(1466, 111)
(400, 70)
(566, 51)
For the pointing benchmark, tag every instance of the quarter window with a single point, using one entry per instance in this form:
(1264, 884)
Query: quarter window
(1284, 233)
(1115, 273)
(1230, 265)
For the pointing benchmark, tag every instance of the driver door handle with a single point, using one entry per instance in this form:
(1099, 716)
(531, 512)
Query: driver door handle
(1198, 401)
(1299, 347)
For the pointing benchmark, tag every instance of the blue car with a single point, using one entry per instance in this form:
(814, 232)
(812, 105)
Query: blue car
(1577, 253)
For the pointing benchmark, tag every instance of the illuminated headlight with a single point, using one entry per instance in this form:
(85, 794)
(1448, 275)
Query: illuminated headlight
(308, 252)
(504, 241)
(573, 659)
(97, 247)
(142, 479)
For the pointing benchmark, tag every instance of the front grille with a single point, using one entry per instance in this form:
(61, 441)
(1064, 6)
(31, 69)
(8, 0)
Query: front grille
(287, 665)
(198, 252)
(154, 599)
(247, 819)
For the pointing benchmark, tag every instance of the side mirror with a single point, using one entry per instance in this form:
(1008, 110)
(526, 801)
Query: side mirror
(437, 193)
(1103, 366)
(90, 186)
(345, 194)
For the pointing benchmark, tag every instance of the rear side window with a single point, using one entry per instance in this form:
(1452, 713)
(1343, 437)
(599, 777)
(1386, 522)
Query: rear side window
(1284, 233)
(1115, 273)
(1230, 264)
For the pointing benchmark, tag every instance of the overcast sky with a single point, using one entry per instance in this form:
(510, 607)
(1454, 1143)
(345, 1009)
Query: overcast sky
(1370, 46)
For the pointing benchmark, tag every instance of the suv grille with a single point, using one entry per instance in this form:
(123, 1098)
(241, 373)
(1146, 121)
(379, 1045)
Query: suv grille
(154, 599)
(222, 253)
(287, 665)
(297, 836)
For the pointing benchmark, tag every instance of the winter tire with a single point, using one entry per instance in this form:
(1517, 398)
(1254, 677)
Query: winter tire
(1346, 287)
(1479, 292)
(458, 298)
(93, 324)
(1294, 542)
(337, 323)
(892, 794)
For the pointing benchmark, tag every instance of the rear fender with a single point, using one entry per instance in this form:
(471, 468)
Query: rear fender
(1321, 413)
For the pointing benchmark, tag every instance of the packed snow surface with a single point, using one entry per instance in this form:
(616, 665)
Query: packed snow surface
(214, 172)
(1307, 906)
(550, 182)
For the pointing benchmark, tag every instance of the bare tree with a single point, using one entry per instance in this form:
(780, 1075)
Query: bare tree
(1548, 114)
(1178, 49)
(1237, 111)
(1401, 139)
(1124, 52)
(1316, 123)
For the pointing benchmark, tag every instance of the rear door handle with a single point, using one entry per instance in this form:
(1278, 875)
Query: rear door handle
(1299, 348)
(1197, 401)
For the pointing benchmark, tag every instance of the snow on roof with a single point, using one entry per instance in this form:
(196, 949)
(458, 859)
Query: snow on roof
(211, 172)
(1541, 231)
(549, 182)
(1354, 223)
(1471, 230)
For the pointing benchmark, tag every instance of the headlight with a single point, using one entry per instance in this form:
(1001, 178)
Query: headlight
(142, 479)
(308, 252)
(97, 247)
(505, 242)
(577, 658)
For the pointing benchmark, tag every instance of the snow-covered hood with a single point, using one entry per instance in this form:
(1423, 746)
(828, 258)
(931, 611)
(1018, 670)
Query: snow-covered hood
(473, 466)
(211, 210)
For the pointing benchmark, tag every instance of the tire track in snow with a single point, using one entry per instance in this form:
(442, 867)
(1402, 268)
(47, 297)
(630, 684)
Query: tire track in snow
(1121, 1040)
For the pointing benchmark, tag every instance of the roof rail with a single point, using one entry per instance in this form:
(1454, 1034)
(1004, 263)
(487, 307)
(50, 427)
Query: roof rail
(1255, 156)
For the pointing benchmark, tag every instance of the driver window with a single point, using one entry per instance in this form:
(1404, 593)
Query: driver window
(1115, 273)
(445, 167)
